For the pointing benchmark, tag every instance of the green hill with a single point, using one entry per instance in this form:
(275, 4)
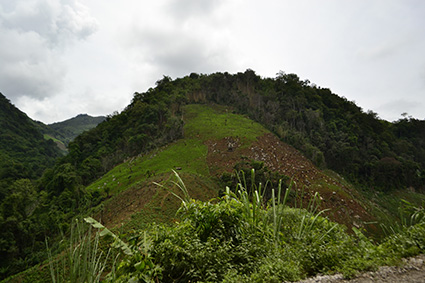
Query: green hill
(24, 153)
(333, 134)
(207, 126)
(216, 141)
(329, 130)
(67, 130)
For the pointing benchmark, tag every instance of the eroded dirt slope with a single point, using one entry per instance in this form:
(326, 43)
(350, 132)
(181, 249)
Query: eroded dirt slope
(280, 157)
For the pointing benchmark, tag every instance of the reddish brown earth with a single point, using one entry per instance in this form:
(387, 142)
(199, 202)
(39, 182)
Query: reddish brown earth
(119, 210)
(125, 204)
(222, 156)
(280, 157)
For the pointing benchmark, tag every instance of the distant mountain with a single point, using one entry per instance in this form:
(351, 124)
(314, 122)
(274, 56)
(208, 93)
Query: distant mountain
(24, 153)
(64, 132)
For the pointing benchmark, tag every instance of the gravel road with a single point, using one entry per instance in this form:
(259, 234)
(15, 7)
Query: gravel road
(413, 270)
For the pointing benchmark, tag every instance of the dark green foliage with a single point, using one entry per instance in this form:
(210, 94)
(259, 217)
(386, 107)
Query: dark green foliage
(24, 153)
(67, 130)
(218, 242)
(330, 130)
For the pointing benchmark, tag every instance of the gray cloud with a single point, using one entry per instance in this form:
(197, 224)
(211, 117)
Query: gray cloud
(367, 51)
(57, 22)
(185, 39)
(185, 9)
(34, 35)
(396, 107)
(176, 52)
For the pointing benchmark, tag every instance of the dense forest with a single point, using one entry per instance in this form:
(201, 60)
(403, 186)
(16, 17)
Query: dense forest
(39, 199)
(330, 130)
(24, 153)
(27, 212)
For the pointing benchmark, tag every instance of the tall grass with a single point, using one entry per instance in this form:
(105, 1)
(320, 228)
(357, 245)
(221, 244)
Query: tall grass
(82, 261)
(256, 207)
(409, 215)
(185, 199)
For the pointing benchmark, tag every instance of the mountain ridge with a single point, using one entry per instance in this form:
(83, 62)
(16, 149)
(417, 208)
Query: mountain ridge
(65, 131)
(25, 153)
(110, 167)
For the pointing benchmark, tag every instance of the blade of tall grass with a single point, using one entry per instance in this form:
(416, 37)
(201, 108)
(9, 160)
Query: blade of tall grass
(106, 232)
(182, 187)
(82, 261)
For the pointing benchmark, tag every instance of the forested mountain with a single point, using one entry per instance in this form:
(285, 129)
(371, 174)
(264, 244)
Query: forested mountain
(67, 130)
(331, 131)
(24, 153)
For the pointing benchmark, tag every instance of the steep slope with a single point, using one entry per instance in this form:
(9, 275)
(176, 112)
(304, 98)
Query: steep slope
(215, 141)
(24, 156)
(24, 153)
(329, 130)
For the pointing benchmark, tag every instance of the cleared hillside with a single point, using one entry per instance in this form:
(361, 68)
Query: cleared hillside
(215, 141)
(207, 126)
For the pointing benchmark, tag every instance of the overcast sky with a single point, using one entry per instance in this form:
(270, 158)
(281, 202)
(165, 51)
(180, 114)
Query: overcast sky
(60, 58)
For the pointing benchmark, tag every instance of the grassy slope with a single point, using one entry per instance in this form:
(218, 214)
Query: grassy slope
(135, 201)
(205, 125)
(188, 156)
(202, 123)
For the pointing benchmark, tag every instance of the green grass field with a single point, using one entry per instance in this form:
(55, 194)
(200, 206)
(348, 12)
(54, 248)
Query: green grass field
(206, 122)
(202, 123)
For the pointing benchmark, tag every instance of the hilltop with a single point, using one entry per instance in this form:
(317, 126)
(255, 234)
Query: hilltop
(216, 143)
(207, 128)
(69, 129)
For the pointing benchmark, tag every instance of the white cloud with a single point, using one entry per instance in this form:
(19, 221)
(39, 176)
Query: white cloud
(399, 106)
(367, 51)
(57, 21)
(34, 34)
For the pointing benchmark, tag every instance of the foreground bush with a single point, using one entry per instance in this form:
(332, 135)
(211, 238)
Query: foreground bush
(239, 238)
(221, 241)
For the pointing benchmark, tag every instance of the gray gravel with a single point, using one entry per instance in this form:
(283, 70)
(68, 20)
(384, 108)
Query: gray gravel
(413, 270)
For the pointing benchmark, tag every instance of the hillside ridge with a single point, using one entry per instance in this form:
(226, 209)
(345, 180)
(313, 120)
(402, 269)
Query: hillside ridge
(209, 128)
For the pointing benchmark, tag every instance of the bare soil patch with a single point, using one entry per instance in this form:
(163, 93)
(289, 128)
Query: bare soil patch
(280, 157)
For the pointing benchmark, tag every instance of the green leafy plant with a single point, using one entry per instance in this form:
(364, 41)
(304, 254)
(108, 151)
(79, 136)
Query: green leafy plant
(241, 237)
(82, 261)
